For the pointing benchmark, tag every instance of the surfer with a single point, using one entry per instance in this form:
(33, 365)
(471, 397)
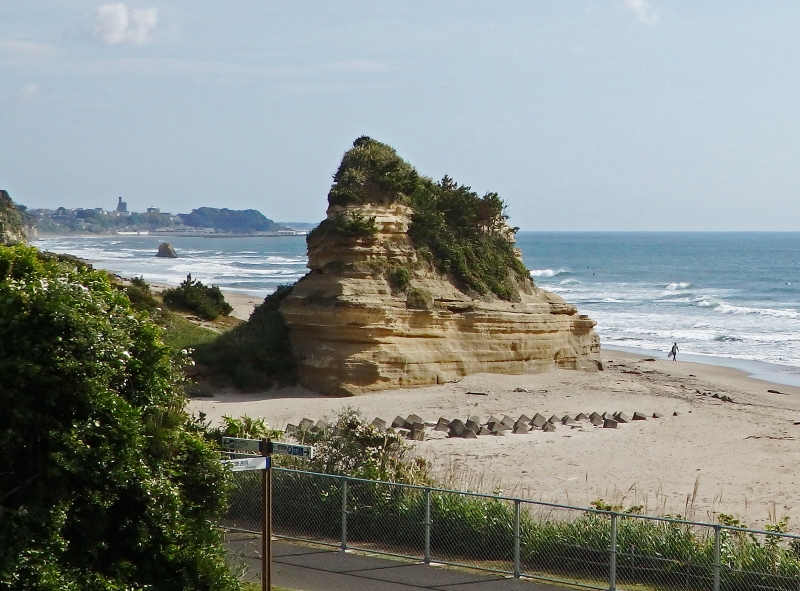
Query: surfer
(673, 352)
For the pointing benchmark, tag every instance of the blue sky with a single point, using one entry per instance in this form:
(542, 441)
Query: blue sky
(583, 115)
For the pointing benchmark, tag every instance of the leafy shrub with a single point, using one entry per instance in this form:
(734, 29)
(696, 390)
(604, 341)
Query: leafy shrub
(355, 448)
(353, 225)
(372, 172)
(245, 426)
(192, 296)
(255, 353)
(399, 278)
(139, 294)
(105, 483)
(419, 299)
(467, 237)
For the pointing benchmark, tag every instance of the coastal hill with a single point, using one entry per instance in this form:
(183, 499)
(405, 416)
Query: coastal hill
(12, 224)
(205, 220)
(229, 220)
(418, 282)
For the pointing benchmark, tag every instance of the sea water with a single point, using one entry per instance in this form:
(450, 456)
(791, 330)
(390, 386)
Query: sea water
(725, 298)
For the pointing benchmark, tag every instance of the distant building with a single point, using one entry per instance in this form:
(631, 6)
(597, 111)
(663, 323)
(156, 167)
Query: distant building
(153, 210)
(122, 206)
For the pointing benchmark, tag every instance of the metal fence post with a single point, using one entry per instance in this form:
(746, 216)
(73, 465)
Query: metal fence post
(612, 571)
(427, 526)
(516, 537)
(344, 513)
(717, 531)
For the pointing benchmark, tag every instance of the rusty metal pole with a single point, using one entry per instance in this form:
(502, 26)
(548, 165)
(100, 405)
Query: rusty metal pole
(266, 521)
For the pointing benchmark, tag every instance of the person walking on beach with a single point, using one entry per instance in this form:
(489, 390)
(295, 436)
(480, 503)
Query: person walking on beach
(673, 352)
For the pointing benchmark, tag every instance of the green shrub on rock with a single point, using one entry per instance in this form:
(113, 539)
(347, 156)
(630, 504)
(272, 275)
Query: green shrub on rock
(105, 484)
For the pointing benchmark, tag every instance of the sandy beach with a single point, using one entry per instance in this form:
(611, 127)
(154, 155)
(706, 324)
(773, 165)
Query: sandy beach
(713, 457)
(737, 457)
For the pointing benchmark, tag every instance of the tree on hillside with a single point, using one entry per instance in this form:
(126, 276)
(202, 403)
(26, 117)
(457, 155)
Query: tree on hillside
(104, 482)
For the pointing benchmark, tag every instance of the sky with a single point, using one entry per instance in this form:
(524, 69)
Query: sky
(583, 115)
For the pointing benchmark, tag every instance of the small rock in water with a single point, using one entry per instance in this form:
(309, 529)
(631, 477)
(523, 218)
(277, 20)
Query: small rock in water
(638, 416)
(166, 251)
(657, 415)
(521, 390)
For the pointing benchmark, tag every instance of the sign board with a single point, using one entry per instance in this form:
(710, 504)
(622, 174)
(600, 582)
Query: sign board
(243, 464)
(238, 444)
(286, 449)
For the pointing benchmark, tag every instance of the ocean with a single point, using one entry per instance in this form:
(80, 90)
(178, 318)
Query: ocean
(725, 298)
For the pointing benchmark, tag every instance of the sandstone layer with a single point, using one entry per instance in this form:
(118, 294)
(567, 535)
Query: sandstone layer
(353, 331)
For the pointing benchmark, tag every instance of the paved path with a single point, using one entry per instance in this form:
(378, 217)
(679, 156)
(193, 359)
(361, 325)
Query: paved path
(317, 568)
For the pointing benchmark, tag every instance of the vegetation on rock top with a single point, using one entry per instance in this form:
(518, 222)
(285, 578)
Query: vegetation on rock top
(462, 234)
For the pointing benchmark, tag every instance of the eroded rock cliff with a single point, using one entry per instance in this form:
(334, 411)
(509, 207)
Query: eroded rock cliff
(12, 228)
(377, 312)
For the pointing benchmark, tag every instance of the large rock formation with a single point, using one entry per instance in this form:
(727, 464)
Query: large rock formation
(12, 228)
(373, 314)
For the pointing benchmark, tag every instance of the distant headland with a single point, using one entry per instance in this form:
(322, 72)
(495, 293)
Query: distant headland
(210, 222)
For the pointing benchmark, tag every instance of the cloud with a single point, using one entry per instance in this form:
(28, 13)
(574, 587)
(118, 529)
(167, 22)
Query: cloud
(115, 24)
(643, 11)
(28, 49)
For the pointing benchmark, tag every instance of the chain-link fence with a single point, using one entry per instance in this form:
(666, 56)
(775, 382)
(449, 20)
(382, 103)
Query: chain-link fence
(585, 547)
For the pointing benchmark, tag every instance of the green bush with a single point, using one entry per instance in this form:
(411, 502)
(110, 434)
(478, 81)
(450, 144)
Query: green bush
(139, 294)
(372, 172)
(192, 296)
(353, 447)
(256, 353)
(467, 237)
(353, 225)
(419, 299)
(399, 278)
(105, 484)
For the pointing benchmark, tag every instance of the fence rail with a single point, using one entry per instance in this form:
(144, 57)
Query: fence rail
(578, 546)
